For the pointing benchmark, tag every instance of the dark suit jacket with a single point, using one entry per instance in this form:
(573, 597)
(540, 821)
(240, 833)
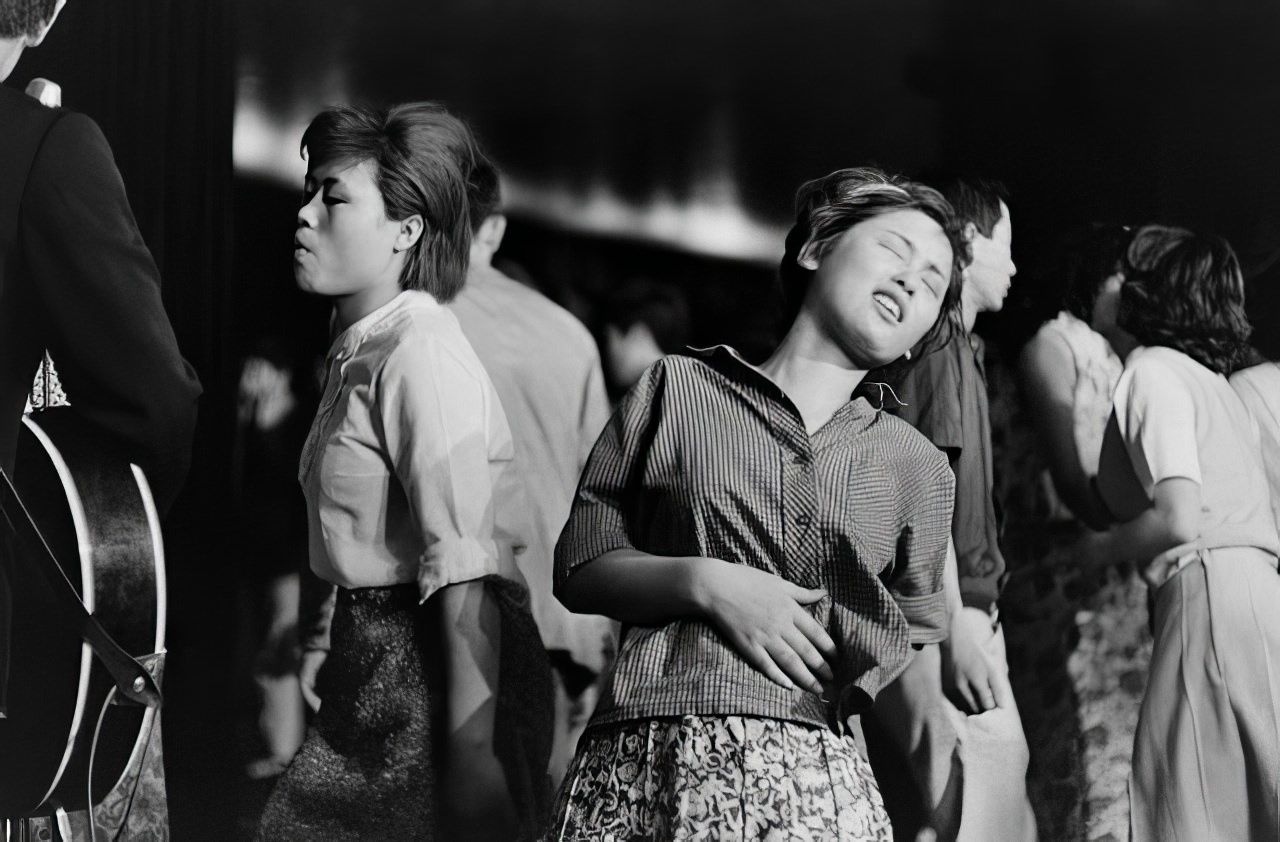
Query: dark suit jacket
(77, 279)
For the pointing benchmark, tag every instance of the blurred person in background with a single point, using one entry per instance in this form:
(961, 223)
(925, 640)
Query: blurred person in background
(642, 321)
(1259, 384)
(967, 754)
(434, 692)
(1181, 472)
(1259, 388)
(773, 545)
(77, 280)
(275, 408)
(1068, 372)
(1071, 366)
(546, 370)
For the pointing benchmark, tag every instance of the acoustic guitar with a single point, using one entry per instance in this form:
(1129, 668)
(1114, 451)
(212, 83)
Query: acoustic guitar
(88, 617)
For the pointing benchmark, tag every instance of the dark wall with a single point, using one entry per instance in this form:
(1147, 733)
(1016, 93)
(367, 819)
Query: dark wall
(158, 77)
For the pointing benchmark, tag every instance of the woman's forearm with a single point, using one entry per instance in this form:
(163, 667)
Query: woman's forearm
(637, 587)
(471, 636)
(1173, 520)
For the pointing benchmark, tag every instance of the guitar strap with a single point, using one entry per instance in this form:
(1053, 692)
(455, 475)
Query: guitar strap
(132, 679)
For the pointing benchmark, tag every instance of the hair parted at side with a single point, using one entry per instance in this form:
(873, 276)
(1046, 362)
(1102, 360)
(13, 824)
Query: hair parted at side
(1184, 291)
(424, 157)
(24, 17)
(827, 207)
(485, 191)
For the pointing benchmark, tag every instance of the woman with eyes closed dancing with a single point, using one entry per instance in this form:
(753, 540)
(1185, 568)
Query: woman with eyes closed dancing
(773, 546)
(411, 509)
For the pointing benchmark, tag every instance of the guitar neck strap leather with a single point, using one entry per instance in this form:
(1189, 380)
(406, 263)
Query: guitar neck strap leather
(131, 677)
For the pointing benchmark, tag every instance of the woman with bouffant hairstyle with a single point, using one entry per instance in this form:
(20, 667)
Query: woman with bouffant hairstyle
(432, 688)
(1181, 467)
(423, 158)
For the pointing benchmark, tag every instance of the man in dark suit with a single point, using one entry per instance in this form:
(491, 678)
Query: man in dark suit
(77, 279)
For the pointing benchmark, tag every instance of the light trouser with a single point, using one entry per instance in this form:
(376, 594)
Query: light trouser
(970, 771)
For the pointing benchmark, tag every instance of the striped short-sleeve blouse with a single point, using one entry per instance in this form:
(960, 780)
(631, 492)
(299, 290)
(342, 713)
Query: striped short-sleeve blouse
(708, 457)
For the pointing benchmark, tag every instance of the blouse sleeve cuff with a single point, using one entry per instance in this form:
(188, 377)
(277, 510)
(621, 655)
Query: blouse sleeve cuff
(453, 560)
(927, 617)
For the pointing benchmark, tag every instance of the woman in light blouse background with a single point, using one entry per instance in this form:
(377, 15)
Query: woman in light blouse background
(1181, 470)
(411, 505)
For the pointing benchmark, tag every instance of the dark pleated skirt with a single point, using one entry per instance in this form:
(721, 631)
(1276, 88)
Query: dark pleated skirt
(367, 769)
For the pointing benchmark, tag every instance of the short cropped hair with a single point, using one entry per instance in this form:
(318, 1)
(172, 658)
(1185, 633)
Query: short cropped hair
(485, 191)
(24, 17)
(423, 157)
(1184, 291)
(975, 200)
(827, 207)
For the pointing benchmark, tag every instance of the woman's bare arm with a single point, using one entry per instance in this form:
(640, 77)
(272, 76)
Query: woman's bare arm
(1048, 382)
(1173, 520)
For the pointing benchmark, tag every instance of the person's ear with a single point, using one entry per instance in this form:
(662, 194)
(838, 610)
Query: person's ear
(808, 257)
(411, 230)
(970, 232)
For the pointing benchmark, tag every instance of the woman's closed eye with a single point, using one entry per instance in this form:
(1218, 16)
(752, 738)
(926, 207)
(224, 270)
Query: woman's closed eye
(892, 251)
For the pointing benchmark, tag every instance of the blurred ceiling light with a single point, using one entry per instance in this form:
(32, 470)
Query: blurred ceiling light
(266, 146)
(711, 223)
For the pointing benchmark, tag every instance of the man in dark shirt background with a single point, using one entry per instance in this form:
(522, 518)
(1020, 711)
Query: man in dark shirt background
(77, 279)
(969, 759)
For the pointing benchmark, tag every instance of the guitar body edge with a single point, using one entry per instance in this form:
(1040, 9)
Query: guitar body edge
(96, 513)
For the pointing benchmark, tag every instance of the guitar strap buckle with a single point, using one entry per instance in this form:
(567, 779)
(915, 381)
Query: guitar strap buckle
(153, 664)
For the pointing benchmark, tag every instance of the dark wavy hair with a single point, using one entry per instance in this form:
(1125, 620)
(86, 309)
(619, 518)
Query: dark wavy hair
(1184, 291)
(424, 157)
(24, 17)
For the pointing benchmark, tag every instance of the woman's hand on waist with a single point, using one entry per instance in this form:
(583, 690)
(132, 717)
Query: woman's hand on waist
(764, 618)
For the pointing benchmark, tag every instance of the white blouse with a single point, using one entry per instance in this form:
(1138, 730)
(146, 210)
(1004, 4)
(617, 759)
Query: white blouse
(1179, 419)
(409, 459)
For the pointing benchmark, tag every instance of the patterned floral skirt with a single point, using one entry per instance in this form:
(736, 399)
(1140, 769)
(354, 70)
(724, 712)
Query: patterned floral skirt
(718, 778)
